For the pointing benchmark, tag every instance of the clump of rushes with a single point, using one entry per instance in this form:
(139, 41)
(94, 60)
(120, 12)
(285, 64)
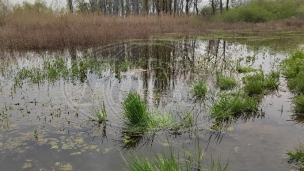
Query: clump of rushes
(226, 83)
(136, 114)
(99, 115)
(230, 107)
(297, 156)
(199, 89)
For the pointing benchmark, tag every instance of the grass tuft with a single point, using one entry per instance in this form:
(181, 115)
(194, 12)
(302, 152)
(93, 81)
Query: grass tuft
(230, 107)
(293, 70)
(297, 156)
(99, 115)
(199, 89)
(170, 162)
(299, 104)
(136, 112)
(243, 69)
(226, 83)
(259, 83)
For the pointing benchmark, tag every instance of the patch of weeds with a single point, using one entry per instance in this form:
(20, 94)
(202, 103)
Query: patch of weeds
(296, 84)
(259, 84)
(139, 119)
(230, 107)
(171, 162)
(226, 83)
(297, 156)
(272, 81)
(254, 84)
(294, 65)
(244, 69)
(199, 89)
(99, 115)
(293, 70)
(299, 104)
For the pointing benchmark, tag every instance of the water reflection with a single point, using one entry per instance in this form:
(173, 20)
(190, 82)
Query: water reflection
(60, 92)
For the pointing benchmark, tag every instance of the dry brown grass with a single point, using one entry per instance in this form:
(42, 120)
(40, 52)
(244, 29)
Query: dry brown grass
(45, 31)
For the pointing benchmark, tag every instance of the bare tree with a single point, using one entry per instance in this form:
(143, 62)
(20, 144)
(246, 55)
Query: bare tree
(70, 5)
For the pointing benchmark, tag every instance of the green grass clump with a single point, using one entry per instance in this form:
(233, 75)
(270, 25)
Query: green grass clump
(226, 83)
(169, 162)
(138, 118)
(259, 83)
(230, 107)
(293, 70)
(243, 69)
(99, 115)
(293, 66)
(136, 113)
(272, 80)
(254, 84)
(297, 156)
(299, 104)
(199, 89)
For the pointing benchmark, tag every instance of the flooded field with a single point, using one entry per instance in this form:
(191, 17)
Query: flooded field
(66, 110)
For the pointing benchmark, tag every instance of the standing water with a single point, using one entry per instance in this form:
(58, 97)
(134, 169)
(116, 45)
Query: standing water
(52, 104)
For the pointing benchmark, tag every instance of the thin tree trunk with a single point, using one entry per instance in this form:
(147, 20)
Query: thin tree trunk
(221, 6)
(227, 4)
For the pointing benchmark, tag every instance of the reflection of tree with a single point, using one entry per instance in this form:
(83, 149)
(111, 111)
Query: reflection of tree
(166, 63)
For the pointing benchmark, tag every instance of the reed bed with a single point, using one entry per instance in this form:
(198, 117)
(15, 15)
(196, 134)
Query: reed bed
(34, 30)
